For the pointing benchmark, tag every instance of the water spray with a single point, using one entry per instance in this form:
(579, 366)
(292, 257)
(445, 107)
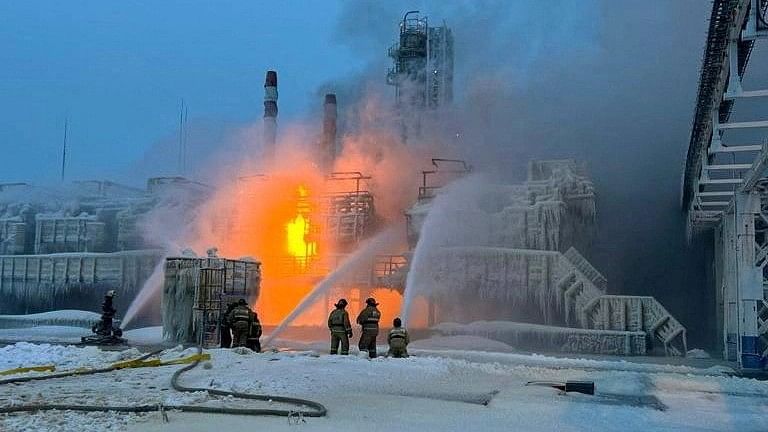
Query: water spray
(361, 256)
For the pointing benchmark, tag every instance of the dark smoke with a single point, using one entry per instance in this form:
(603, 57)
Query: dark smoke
(612, 83)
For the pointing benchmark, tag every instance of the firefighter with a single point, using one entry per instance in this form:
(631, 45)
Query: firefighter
(240, 320)
(254, 333)
(226, 327)
(106, 326)
(369, 320)
(341, 329)
(398, 340)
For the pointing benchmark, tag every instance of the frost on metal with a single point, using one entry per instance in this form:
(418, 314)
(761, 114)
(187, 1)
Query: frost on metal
(515, 248)
(35, 283)
(553, 210)
(515, 277)
(66, 245)
(196, 292)
(558, 339)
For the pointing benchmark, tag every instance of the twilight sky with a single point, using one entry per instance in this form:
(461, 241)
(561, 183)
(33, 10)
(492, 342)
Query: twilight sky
(119, 69)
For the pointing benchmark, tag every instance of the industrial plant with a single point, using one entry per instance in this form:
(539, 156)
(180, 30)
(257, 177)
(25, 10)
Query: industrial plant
(365, 223)
(518, 259)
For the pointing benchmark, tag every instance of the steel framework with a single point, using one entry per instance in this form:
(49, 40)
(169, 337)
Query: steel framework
(725, 181)
(423, 63)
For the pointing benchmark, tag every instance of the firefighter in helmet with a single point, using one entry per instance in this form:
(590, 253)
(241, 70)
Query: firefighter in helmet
(240, 321)
(254, 333)
(369, 320)
(398, 340)
(341, 329)
(226, 326)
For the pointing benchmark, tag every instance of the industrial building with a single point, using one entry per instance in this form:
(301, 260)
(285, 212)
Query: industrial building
(422, 71)
(724, 195)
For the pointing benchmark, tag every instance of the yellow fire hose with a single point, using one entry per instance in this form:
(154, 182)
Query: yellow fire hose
(127, 364)
(19, 370)
(315, 409)
(139, 363)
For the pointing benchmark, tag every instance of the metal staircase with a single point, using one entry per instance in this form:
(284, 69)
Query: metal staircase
(586, 305)
(582, 297)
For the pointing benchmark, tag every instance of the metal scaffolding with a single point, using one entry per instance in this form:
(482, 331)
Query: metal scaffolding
(724, 185)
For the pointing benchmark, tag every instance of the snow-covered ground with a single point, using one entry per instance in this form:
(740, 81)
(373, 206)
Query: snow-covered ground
(66, 334)
(71, 318)
(439, 388)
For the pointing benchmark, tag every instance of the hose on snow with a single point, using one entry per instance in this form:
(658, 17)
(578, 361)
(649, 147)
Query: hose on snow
(307, 408)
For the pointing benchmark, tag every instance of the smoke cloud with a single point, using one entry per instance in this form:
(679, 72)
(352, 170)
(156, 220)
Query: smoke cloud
(611, 83)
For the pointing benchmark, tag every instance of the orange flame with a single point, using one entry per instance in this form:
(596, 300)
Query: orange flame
(278, 219)
(297, 232)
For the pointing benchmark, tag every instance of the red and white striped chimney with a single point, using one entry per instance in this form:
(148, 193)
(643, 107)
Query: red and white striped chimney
(270, 114)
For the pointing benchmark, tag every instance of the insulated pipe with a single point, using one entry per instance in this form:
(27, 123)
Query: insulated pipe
(328, 145)
(270, 114)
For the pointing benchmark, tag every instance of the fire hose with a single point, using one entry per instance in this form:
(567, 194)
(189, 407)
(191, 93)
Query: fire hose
(308, 408)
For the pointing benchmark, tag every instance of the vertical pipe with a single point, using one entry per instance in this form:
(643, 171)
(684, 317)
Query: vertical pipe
(328, 145)
(270, 114)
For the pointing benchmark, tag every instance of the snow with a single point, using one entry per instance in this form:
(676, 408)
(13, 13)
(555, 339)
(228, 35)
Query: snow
(460, 343)
(552, 338)
(65, 334)
(71, 318)
(432, 390)
(145, 336)
(23, 354)
(56, 334)
(698, 353)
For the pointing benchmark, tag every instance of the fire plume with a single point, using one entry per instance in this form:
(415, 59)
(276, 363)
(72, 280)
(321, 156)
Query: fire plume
(298, 229)
(280, 219)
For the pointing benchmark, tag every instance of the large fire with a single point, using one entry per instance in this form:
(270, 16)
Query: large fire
(297, 232)
(280, 218)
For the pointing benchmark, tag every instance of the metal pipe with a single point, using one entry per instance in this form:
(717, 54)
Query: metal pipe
(270, 114)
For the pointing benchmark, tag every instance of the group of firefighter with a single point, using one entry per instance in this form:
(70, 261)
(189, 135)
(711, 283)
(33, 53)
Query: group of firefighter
(246, 329)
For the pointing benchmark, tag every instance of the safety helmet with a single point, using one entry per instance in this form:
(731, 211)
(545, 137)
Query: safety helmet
(370, 301)
(341, 303)
(241, 302)
(111, 293)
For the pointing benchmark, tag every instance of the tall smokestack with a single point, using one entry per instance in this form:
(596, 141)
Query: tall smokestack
(270, 114)
(328, 146)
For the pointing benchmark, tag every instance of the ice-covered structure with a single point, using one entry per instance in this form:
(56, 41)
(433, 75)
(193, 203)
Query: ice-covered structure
(553, 210)
(510, 253)
(196, 292)
(64, 246)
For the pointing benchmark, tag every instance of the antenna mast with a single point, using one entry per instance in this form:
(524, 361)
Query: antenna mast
(64, 150)
(180, 159)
